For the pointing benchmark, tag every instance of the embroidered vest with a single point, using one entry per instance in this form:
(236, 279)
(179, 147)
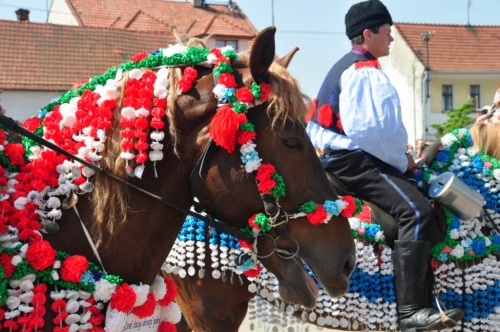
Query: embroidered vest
(326, 106)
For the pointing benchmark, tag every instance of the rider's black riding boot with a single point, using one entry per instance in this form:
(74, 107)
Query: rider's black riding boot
(410, 273)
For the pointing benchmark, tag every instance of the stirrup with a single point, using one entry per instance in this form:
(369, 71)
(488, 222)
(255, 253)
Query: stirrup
(447, 321)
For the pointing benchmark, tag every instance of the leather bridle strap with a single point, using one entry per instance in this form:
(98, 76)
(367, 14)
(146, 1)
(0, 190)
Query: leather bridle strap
(11, 124)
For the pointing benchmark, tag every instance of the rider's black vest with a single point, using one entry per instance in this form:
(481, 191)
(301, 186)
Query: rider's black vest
(330, 89)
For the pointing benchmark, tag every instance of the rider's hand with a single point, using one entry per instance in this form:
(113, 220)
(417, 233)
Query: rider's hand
(411, 163)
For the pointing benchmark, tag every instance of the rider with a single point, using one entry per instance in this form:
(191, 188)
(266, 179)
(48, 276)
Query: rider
(358, 121)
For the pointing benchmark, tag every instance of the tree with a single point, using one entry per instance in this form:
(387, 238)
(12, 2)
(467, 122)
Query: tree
(457, 118)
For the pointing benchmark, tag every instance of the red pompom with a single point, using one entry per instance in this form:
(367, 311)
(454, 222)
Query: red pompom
(244, 136)
(318, 216)
(244, 95)
(339, 123)
(227, 80)
(171, 293)
(40, 288)
(73, 267)
(265, 91)
(59, 319)
(58, 306)
(225, 126)
(265, 172)
(325, 115)
(166, 327)
(350, 208)
(252, 273)
(147, 309)
(31, 124)
(123, 299)
(61, 329)
(251, 222)
(311, 110)
(40, 255)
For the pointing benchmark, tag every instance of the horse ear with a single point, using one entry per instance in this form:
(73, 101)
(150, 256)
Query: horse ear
(262, 53)
(285, 61)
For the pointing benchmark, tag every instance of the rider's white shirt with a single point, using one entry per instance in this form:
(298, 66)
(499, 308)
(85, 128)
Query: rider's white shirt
(370, 112)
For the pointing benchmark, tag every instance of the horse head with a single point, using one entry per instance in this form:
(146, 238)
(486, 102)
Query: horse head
(232, 194)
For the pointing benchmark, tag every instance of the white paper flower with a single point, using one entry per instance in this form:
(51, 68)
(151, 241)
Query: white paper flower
(114, 321)
(104, 290)
(174, 49)
(458, 251)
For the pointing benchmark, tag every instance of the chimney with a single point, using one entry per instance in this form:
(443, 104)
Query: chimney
(197, 3)
(23, 15)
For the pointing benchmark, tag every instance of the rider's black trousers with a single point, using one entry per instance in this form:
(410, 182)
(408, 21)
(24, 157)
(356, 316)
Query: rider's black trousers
(385, 186)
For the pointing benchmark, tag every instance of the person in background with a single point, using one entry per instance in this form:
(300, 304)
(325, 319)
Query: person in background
(419, 147)
(410, 151)
(357, 119)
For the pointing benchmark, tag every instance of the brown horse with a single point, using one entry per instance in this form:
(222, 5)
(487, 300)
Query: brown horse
(131, 229)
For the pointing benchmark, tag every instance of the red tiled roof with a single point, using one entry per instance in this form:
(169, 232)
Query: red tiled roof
(146, 15)
(48, 57)
(454, 48)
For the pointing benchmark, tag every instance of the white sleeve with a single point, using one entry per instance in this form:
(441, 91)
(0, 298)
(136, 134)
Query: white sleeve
(370, 113)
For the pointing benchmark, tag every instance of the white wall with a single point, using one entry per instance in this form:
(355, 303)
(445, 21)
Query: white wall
(61, 14)
(23, 104)
(405, 72)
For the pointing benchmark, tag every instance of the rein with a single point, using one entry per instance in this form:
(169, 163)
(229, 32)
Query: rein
(11, 124)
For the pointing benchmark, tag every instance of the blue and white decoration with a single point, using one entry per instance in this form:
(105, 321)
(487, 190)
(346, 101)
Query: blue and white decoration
(466, 267)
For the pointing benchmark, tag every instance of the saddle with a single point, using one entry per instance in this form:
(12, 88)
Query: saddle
(388, 224)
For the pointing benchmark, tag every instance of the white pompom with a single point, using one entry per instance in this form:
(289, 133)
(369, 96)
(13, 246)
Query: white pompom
(135, 73)
(141, 292)
(171, 313)
(159, 288)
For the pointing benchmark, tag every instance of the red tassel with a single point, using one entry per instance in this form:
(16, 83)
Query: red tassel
(225, 126)
(325, 116)
(311, 110)
(339, 123)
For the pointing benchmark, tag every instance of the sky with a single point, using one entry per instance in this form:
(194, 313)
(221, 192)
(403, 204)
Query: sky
(317, 26)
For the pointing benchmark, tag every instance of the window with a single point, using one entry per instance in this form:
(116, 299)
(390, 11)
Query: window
(447, 97)
(475, 94)
(221, 43)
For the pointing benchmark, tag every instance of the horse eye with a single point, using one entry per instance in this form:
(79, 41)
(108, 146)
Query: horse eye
(292, 143)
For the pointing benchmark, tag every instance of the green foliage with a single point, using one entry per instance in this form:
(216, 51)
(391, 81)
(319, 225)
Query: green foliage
(457, 118)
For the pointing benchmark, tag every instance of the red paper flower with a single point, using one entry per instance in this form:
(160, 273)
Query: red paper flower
(59, 319)
(40, 255)
(266, 185)
(245, 244)
(139, 56)
(244, 136)
(228, 80)
(265, 172)
(15, 153)
(147, 309)
(123, 299)
(244, 95)
(31, 124)
(73, 267)
(318, 216)
(6, 262)
(350, 208)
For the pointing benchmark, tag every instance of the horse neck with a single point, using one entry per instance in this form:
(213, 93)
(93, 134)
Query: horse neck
(136, 249)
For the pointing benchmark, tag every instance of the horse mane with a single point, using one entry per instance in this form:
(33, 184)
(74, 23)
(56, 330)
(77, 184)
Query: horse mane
(286, 101)
(110, 197)
(486, 136)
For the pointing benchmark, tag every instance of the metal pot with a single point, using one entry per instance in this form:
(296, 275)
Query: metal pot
(449, 191)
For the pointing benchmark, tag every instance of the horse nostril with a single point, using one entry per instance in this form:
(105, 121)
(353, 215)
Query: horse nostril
(349, 265)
